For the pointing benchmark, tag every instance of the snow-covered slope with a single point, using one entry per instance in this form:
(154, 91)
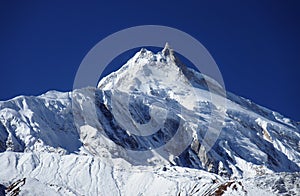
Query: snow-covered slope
(144, 131)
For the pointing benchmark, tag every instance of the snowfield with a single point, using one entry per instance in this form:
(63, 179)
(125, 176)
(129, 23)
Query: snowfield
(154, 127)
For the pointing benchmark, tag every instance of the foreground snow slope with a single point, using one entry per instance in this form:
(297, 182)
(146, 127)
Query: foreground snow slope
(52, 174)
(86, 175)
(142, 131)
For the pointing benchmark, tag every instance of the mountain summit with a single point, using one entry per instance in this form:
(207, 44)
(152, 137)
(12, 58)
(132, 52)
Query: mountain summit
(142, 130)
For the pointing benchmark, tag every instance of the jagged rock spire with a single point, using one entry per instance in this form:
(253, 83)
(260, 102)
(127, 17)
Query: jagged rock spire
(167, 51)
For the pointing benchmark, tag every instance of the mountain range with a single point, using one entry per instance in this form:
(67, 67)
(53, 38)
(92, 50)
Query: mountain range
(153, 127)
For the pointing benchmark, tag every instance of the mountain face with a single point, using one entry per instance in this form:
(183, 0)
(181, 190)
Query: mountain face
(151, 128)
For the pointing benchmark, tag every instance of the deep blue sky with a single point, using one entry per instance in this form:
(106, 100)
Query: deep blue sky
(255, 44)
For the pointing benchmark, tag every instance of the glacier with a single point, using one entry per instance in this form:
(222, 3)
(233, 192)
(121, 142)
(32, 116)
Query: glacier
(153, 127)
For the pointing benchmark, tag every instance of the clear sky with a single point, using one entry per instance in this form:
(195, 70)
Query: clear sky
(255, 43)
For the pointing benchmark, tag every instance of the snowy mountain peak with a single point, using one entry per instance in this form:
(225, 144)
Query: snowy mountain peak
(144, 71)
(161, 74)
(166, 57)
